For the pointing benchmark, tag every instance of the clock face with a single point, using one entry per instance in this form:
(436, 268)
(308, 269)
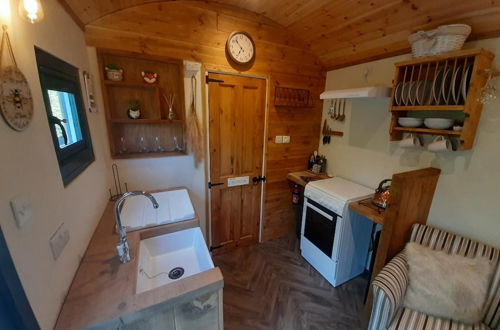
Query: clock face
(240, 47)
(16, 104)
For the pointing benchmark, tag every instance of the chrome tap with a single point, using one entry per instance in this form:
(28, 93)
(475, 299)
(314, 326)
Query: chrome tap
(122, 246)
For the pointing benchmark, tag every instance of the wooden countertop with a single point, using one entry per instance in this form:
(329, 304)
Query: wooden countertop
(366, 208)
(103, 288)
(296, 177)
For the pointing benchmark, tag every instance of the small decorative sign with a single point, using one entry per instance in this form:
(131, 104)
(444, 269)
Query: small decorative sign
(238, 181)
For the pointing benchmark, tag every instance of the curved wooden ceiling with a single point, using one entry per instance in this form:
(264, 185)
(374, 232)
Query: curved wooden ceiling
(341, 32)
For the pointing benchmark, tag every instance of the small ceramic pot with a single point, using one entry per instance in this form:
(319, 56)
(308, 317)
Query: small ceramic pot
(114, 75)
(134, 113)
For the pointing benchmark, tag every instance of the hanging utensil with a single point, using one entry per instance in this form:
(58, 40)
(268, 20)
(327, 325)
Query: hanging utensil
(330, 110)
(334, 109)
(342, 116)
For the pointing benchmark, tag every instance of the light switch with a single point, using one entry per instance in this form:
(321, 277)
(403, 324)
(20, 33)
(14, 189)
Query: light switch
(278, 139)
(286, 139)
(22, 209)
(59, 240)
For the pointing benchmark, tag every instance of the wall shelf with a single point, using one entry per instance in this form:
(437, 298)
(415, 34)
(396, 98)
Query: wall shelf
(153, 130)
(425, 85)
(427, 131)
(149, 154)
(146, 121)
(429, 108)
(127, 84)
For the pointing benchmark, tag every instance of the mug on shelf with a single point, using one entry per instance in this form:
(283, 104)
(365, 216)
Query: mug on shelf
(412, 141)
(440, 144)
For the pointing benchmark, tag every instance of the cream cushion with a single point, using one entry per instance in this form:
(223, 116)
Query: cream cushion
(447, 285)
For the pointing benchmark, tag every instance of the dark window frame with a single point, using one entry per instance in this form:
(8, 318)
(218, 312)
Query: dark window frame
(56, 74)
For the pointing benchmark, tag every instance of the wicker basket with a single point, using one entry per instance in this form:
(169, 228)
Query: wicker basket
(445, 38)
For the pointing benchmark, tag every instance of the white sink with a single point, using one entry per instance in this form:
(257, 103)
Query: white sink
(161, 254)
(174, 205)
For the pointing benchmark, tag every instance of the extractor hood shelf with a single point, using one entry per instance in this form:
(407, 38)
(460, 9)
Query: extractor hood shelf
(378, 92)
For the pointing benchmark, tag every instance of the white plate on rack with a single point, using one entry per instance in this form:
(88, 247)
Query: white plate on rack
(446, 86)
(424, 92)
(436, 87)
(412, 93)
(466, 81)
(456, 84)
(397, 93)
(404, 93)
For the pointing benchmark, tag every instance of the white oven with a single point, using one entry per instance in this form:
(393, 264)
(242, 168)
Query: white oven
(333, 240)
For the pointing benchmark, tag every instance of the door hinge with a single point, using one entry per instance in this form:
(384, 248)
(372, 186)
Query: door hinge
(210, 184)
(209, 80)
(215, 247)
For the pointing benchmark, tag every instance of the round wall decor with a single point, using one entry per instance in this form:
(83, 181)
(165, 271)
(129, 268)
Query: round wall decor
(16, 104)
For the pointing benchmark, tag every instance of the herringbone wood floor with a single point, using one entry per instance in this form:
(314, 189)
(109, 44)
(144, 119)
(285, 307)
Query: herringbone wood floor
(270, 286)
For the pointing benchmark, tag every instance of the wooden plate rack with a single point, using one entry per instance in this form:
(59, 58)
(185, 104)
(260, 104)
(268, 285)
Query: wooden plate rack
(423, 87)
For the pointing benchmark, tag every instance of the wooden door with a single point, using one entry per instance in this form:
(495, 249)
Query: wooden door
(236, 149)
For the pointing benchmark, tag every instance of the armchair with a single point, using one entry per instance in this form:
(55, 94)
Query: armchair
(390, 284)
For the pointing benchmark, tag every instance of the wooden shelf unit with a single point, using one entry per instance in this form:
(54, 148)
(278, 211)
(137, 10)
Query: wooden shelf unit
(153, 125)
(426, 70)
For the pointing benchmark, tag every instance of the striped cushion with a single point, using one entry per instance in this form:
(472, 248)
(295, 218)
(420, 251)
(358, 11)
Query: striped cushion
(408, 319)
(442, 240)
(389, 288)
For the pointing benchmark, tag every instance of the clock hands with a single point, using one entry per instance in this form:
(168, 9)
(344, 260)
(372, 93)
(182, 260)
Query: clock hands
(241, 48)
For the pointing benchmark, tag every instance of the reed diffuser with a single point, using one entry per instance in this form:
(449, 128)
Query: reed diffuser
(170, 99)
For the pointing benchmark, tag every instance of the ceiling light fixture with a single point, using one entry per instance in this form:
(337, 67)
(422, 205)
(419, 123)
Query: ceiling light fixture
(4, 12)
(31, 10)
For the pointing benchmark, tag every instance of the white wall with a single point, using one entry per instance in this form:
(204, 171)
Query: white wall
(160, 173)
(467, 199)
(29, 166)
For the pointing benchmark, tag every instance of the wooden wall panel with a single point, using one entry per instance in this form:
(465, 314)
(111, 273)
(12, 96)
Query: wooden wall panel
(197, 31)
(303, 127)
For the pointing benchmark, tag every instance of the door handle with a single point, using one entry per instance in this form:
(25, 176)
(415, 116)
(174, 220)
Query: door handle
(257, 179)
(210, 184)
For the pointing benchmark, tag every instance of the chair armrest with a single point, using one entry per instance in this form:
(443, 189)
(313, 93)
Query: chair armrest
(389, 288)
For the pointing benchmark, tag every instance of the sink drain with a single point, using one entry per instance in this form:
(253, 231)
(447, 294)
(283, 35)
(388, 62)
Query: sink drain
(176, 273)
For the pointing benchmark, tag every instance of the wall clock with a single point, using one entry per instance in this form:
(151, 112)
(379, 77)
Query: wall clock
(240, 47)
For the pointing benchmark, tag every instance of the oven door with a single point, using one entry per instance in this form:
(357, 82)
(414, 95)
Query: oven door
(318, 226)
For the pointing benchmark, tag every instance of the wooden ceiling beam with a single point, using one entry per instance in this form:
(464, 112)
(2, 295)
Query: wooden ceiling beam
(338, 32)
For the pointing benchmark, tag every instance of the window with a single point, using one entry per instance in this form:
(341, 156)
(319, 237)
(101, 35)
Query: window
(66, 114)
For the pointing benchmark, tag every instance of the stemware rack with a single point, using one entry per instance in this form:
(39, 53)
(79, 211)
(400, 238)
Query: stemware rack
(153, 134)
(445, 86)
(292, 97)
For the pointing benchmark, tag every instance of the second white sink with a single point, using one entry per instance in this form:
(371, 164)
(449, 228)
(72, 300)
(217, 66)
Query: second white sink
(170, 257)
(174, 206)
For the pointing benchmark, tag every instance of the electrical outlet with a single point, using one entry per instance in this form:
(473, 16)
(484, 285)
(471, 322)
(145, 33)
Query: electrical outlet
(59, 240)
(22, 210)
(286, 139)
(278, 139)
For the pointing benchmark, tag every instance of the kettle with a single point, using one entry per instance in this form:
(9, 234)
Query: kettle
(382, 193)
